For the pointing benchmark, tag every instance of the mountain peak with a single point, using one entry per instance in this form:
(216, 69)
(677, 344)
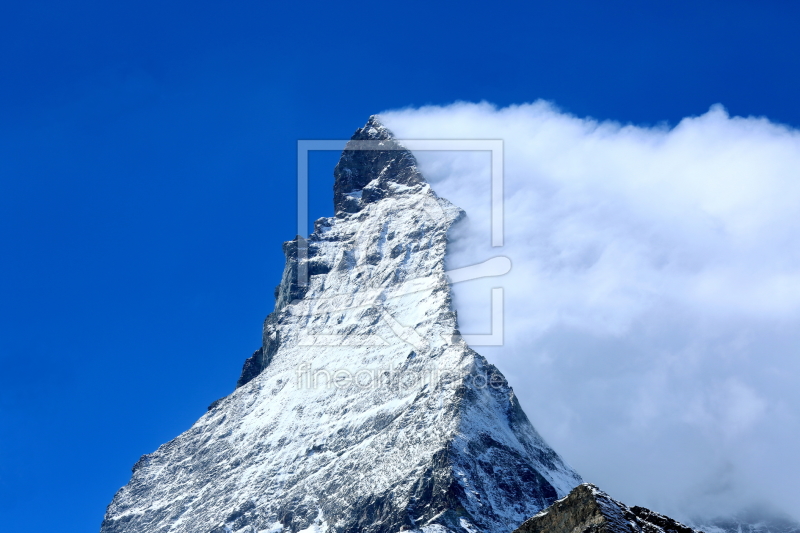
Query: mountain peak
(372, 167)
(363, 410)
(373, 130)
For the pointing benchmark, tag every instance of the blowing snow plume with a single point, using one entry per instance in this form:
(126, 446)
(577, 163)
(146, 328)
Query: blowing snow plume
(653, 308)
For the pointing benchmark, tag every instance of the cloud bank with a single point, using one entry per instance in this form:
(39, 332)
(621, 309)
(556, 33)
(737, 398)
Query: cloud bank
(652, 314)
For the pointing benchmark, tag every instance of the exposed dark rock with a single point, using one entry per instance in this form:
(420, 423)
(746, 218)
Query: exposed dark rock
(292, 287)
(143, 461)
(261, 358)
(252, 367)
(215, 403)
(362, 175)
(589, 510)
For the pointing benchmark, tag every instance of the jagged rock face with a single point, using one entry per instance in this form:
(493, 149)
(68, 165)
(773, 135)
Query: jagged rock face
(363, 410)
(589, 510)
(372, 174)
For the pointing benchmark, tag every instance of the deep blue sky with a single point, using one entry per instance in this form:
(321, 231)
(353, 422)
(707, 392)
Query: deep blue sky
(147, 167)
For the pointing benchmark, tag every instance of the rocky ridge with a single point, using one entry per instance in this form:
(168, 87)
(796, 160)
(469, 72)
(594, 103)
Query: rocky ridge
(362, 410)
(587, 509)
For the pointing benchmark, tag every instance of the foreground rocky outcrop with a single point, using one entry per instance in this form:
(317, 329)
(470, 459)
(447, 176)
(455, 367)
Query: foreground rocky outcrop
(587, 509)
(363, 410)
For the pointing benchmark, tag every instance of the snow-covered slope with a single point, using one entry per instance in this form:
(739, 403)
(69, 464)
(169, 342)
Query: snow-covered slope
(363, 410)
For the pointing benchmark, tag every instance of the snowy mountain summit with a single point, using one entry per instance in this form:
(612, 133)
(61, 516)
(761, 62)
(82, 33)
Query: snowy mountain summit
(363, 410)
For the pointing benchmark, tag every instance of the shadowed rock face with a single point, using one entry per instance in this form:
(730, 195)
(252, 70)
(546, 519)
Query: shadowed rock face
(589, 510)
(369, 172)
(363, 410)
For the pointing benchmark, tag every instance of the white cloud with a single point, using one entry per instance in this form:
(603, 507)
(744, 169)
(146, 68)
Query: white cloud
(653, 307)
